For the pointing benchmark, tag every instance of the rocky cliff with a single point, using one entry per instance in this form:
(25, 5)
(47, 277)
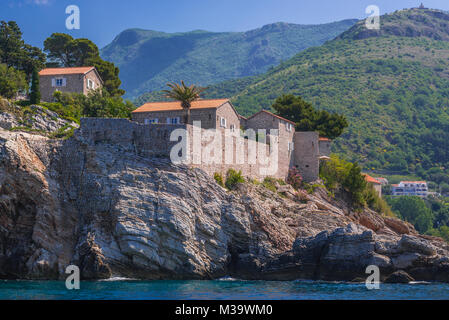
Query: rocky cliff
(113, 213)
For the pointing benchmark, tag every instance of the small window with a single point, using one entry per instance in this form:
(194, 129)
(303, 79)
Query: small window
(58, 82)
(289, 127)
(232, 127)
(151, 121)
(90, 84)
(222, 122)
(175, 120)
(291, 146)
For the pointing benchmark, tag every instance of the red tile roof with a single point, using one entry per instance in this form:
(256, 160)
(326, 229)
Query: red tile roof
(272, 114)
(62, 71)
(176, 105)
(325, 139)
(370, 179)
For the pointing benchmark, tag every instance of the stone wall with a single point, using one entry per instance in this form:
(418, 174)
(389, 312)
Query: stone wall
(154, 141)
(306, 155)
(254, 161)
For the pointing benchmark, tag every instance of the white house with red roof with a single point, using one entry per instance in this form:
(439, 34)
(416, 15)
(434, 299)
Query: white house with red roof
(410, 188)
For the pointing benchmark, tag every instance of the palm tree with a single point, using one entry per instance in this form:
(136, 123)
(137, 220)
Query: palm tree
(184, 94)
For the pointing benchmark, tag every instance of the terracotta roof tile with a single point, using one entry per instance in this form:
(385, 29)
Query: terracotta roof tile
(325, 139)
(176, 105)
(62, 71)
(370, 179)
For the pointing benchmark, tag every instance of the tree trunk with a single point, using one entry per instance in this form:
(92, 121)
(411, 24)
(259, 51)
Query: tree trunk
(187, 116)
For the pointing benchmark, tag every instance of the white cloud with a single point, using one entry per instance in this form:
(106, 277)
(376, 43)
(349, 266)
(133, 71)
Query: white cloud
(15, 3)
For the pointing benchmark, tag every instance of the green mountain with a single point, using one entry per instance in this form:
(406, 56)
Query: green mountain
(149, 59)
(392, 85)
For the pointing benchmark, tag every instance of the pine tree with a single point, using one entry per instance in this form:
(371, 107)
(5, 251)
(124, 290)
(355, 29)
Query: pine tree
(35, 94)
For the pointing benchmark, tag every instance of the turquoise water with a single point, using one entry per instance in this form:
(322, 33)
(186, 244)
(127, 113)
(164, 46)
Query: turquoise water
(229, 289)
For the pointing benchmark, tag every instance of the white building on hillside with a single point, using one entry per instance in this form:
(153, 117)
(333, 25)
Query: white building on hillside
(410, 188)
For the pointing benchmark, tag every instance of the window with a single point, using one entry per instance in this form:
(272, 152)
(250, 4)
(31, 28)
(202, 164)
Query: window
(289, 126)
(90, 84)
(222, 122)
(232, 127)
(59, 82)
(151, 121)
(175, 120)
(291, 146)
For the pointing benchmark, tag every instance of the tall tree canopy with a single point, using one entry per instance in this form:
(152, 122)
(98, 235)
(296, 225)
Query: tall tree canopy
(65, 51)
(301, 112)
(14, 52)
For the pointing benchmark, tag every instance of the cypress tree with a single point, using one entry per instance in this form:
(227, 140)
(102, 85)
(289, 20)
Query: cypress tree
(35, 94)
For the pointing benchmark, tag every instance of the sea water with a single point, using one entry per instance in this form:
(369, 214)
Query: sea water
(126, 289)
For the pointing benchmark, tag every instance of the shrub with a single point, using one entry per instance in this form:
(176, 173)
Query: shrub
(294, 178)
(12, 82)
(219, 179)
(355, 184)
(270, 184)
(376, 203)
(233, 178)
(337, 173)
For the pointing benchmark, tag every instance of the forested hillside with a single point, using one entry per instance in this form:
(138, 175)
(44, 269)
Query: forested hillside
(149, 59)
(392, 85)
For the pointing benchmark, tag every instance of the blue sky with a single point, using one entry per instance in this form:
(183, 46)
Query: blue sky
(102, 20)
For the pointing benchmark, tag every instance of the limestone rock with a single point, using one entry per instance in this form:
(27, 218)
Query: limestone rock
(399, 277)
(112, 212)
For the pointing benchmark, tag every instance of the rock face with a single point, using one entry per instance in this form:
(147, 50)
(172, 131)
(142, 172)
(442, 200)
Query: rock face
(399, 277)
(112, 213)
(35, 119)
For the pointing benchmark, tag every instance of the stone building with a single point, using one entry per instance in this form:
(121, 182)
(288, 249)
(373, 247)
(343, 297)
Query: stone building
(325, 147)
(72, 80)
(295, 149)
(377, 185)
(213, 114)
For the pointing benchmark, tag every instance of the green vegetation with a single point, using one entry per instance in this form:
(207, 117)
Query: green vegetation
(270, 183)
(12, 81)
(65, 51)
(233, 178)
(14, 52)
(429, 216)
(219, 179)
(96, 104)
(150, 59)
(307, 118)
(393, 90)
(338, 174)
(35, 94)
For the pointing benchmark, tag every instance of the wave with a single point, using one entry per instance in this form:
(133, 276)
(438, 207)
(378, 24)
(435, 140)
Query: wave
(118, 279)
